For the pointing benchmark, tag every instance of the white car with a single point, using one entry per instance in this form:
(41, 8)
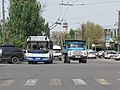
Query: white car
(109, 54)
(91, 54)
(57, 54)
(116, 56)
(100, 53)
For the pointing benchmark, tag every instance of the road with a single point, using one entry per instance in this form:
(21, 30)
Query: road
(95, 75)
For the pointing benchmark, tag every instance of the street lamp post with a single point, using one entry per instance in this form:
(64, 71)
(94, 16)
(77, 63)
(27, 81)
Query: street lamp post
(88, 40)
(83, 30)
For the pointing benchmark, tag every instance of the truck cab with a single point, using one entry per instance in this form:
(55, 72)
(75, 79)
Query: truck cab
(75, 50)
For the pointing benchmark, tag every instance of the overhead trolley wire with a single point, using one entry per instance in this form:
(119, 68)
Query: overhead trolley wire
(73, 1)
(58, 21)
(60, 12)
(107, 2)
(65, 12)
(96, 15)
(88, 3)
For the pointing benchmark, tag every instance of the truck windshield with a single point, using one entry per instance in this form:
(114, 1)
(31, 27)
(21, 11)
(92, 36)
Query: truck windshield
(76, 45)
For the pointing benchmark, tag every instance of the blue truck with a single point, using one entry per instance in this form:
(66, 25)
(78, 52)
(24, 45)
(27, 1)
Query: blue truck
(75, 50)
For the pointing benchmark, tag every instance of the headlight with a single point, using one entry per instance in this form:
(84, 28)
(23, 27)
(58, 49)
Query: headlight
(70, 53)
(85, 53)
(29, 58)
(45, 59)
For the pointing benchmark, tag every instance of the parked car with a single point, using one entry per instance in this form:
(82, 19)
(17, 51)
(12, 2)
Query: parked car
(117, 56)
(57, 53)
(92, 54)
(100, 53)
(109, 54)
(11, 54)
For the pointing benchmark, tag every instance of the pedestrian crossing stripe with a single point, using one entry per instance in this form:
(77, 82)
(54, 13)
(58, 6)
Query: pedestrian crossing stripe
(55, 82)
(31, 82)
(79, 82)
(7, 82)
(102, 81)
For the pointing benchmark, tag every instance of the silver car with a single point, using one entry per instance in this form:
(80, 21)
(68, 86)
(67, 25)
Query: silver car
(109, 54)
(117, 56)
(91, 54)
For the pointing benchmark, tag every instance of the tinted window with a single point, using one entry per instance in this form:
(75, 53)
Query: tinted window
(111, 52)
(16, 49)
(10, 48)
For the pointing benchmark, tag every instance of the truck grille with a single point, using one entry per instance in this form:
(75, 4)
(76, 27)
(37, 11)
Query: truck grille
(77, 53)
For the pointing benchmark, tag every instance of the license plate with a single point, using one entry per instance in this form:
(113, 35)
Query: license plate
(77, 56)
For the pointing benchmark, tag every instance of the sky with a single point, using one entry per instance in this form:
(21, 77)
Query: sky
(102, 12)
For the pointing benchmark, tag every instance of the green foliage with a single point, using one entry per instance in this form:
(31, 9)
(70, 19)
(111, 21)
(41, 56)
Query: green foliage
(57, 38)
(25, 20)
(93, 33)
(71, 34)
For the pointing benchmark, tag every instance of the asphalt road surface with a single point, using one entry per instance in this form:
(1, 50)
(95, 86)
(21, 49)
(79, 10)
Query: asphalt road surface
(94, 75)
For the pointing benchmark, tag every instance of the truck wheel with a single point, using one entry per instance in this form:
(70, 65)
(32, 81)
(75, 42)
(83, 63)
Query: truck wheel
(68, 61)
(47, 62)
(51, 61)
(35, 62)
(80, 61)
(65, 61)
(15, 60)
(84, 61)
(29, 62)
(60, 59)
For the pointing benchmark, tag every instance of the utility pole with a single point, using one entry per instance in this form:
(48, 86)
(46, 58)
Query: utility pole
(118, 23)
(83, 30)
(119, 30)
(3, 20)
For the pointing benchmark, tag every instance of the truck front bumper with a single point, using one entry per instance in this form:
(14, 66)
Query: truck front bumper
(77, 57)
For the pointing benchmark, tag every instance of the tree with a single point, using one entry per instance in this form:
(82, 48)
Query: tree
(25, 20)
(93, 33)
(71, 34)
(57, 38)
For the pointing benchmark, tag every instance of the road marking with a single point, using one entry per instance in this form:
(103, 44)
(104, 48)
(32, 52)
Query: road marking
(119, 79)
(79, 82)
(7, 82)
(55, 82)
(31, 82)
(102, 81)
